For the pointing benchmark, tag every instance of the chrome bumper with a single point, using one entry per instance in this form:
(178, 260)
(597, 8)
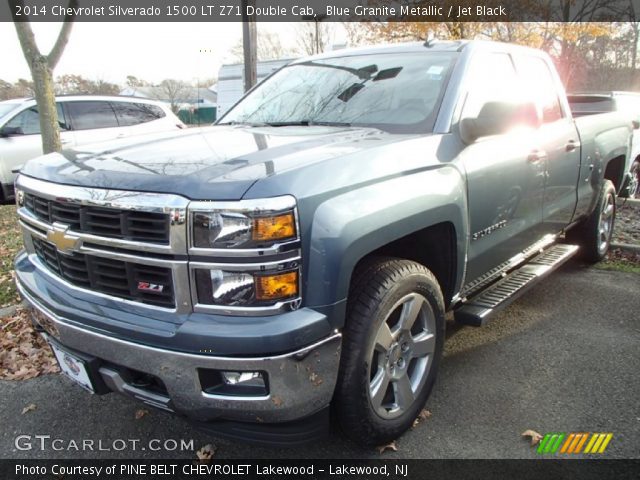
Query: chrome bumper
(300, 383)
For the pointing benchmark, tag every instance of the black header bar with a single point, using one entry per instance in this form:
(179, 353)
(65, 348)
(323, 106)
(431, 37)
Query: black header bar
(327, 11)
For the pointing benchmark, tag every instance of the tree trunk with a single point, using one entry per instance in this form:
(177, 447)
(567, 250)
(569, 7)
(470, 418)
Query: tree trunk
(46, 100)
(41, 67)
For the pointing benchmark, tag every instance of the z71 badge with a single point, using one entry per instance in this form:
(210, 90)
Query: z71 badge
(150, 287)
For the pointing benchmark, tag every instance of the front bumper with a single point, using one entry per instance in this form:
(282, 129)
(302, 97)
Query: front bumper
(300, 383)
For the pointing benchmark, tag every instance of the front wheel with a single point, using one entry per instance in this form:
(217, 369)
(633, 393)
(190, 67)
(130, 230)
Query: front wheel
(393, 341)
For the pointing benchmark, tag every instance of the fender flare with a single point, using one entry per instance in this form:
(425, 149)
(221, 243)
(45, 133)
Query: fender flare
(349, 226)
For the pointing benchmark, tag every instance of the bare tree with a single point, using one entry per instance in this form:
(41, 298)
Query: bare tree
(314, 37)
(41, 67)
(173, 92)
(269, 48)
(76, 84)
(20, 89)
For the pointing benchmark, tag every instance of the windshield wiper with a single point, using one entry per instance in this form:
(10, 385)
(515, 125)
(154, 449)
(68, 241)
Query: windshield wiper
(307, 123)
(246, 124)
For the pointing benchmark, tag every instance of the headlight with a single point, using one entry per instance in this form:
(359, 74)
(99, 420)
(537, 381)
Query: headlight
(257, 248)
(243, 225)
(19, 197)
(249, 289)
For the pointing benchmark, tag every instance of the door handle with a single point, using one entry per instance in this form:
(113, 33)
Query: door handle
(571, 145)
(537, 156)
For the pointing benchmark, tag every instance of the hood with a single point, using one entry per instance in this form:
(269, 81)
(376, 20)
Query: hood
(213, 163)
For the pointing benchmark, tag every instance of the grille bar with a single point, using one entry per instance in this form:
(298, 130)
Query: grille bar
(147, 284)
(137, 226)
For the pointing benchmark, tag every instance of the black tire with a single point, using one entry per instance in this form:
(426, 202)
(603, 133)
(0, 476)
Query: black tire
(634, 186)
(593, 243)
(376, 290)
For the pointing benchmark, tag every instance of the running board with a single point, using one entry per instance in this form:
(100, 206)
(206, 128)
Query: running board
(476, 310)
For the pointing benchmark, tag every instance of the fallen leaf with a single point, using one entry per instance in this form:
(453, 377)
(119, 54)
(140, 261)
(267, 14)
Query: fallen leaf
(535, 436)
(391, 446)
(29, 408)
(423, 415)
(24, 353)
(141, 413)
(277, 401)
(205, 454)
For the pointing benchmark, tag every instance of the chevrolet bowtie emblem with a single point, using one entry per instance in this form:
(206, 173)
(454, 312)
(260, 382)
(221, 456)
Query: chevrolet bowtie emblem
(64, 242)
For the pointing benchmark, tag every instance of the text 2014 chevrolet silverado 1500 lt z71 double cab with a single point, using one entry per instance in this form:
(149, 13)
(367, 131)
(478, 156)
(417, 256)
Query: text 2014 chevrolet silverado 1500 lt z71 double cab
(301, 254)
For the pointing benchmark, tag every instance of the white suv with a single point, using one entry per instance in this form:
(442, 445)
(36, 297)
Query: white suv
(83, 119)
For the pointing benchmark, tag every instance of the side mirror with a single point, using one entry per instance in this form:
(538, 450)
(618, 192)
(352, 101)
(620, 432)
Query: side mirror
(10, 131)
(496, 118)
(636, 124)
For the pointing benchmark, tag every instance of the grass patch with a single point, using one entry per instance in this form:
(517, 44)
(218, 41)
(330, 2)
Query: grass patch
(10, 244)
(619, 266)
(620, 261)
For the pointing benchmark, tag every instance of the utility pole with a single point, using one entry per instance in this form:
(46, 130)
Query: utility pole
(249, 45)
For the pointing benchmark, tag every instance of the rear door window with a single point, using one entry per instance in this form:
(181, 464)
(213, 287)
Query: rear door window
(540, 86)
(90, 115)
(130, 113)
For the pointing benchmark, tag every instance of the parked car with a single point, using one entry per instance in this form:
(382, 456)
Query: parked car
(626, 102)
(302, 253)
(83, 119)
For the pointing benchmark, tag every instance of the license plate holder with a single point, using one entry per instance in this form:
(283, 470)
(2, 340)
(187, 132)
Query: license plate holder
(73, 367)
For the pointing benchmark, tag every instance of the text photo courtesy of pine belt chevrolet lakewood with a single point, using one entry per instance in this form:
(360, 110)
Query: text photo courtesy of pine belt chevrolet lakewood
(83, 119)
(295, 261)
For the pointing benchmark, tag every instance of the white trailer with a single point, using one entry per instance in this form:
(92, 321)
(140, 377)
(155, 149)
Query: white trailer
(231, 81)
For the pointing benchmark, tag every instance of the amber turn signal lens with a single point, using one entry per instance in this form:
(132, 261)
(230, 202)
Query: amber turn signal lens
(274, 287)
(274, 228)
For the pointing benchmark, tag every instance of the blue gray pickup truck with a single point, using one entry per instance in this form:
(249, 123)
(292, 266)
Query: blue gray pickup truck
(294, 263)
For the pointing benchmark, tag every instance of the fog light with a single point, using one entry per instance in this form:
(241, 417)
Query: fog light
(243, 378)
(233, 384)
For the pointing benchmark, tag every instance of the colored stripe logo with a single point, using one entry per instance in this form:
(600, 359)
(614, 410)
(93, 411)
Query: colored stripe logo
(574, 443)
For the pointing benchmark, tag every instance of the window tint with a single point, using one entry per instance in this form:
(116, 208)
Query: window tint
(27, 122)
(135, 113)
(494, 80)
(590, 104)
(540, 86)
(86, 115)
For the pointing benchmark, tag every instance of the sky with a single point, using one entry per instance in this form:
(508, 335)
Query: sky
(150, 51)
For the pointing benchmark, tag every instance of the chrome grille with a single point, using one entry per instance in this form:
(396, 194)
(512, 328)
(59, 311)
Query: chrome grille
(113, 277)
(130, 225)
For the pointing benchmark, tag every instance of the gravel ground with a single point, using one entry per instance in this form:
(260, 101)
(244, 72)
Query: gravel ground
(627, 228)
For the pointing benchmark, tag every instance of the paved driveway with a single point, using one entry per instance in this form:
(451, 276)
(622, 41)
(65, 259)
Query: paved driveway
(565, 357)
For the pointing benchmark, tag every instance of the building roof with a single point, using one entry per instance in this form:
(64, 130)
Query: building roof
(190, 94)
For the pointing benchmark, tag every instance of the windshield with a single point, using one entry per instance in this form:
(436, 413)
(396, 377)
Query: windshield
(397, 92)
(6, 107)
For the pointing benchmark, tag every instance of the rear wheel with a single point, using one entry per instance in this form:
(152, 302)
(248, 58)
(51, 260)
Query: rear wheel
(393, 342)
(594, 235)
